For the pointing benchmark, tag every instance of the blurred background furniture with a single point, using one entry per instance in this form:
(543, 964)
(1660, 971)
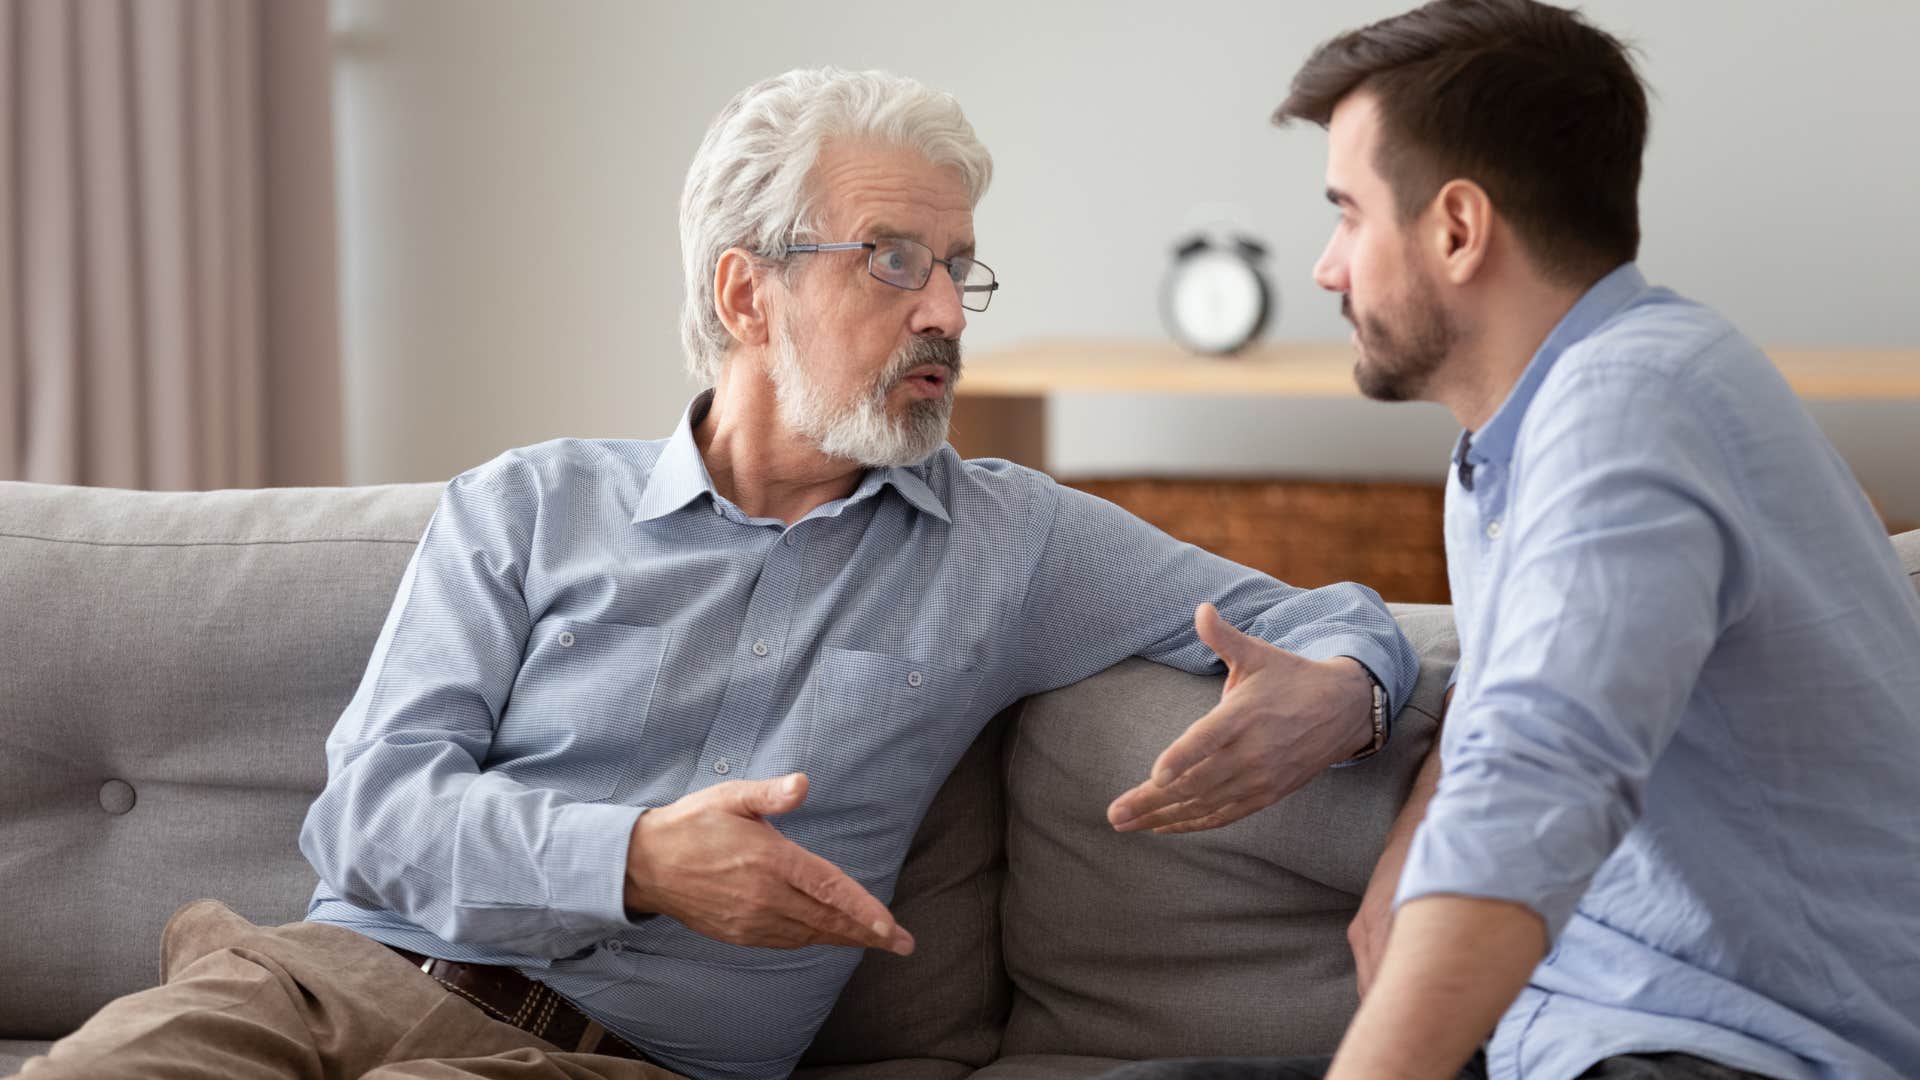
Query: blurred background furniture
(1303, 529)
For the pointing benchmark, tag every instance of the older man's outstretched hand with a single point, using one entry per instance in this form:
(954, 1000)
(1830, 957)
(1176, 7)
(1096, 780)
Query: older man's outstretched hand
(711, 861)
(1281, 720)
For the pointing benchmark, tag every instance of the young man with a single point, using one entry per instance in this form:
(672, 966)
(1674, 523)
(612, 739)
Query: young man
(1675, 832)
(642, 744)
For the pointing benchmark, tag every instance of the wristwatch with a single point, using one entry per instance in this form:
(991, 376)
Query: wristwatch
(1379, 719)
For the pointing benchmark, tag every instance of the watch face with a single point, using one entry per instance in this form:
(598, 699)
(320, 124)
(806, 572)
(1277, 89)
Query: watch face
(1215, 301)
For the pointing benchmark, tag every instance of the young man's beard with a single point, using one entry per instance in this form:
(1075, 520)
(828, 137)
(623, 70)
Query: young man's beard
(861, 430)
(1396, 361)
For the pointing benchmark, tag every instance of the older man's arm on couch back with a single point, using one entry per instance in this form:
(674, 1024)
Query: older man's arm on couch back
(1106, 586)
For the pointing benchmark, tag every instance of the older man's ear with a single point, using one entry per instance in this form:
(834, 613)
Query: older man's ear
(739, 297)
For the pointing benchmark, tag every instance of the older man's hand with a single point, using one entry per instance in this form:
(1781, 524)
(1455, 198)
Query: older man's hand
(711, 861)
(1281, 720)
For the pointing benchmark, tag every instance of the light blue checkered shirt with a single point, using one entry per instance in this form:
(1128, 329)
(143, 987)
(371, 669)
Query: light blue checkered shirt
(588, 629)
(1687, 726)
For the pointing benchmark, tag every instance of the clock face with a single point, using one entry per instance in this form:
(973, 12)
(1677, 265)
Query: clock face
(1215, 301)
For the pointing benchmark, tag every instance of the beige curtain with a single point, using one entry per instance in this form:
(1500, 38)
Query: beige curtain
(167, 295)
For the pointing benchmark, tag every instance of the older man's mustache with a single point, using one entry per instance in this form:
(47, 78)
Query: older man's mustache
(923, 351)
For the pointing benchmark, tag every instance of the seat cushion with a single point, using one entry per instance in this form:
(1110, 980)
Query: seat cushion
(174, 663)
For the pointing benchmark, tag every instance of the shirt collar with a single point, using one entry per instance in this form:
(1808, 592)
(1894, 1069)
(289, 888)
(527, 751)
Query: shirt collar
(1605, 299)
(680, 475)
(907, 481)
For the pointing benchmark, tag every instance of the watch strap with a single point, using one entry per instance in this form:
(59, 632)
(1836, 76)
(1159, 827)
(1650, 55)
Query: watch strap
(1379, 718)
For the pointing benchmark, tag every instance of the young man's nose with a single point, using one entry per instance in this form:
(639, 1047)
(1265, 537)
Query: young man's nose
(1330, 272)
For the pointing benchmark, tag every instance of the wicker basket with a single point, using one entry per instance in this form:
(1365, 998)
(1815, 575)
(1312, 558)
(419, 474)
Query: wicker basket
(1304, 532)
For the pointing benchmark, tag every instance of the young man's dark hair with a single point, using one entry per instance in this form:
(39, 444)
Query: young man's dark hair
(1531, 102)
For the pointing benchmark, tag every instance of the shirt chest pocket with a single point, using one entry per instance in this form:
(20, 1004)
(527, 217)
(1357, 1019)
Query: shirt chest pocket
(882, 731)
(577, 717)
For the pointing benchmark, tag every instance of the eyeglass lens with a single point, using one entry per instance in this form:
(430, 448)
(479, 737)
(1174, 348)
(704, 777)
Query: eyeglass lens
(908, 264)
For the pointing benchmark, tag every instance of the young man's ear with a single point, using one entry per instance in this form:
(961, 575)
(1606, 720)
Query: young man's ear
(1462, 229)
(739, 297)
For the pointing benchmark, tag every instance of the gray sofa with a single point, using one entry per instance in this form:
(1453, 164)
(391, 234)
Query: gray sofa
(170, 665)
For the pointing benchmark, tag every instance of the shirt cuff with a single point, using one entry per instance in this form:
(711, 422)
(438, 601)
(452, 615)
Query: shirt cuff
(1379, 664)
(586, 865)
(1372, 656)
(1451, 860)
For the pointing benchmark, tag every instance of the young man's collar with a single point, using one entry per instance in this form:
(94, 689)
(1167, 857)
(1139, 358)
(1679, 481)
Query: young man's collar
(1602, 301)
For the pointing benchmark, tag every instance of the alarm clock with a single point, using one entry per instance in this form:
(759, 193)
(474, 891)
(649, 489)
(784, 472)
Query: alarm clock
(1215, 299)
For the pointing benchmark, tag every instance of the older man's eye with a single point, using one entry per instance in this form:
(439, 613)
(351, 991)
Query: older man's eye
(893, 259)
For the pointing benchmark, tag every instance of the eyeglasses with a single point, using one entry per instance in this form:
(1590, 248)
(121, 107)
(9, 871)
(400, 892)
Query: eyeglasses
(908, 264)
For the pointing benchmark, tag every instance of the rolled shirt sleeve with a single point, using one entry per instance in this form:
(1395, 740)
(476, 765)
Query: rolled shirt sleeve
(1622, 566)
(409, 820)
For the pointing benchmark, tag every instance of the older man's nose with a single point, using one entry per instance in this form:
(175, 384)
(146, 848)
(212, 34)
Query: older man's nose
(939, 313)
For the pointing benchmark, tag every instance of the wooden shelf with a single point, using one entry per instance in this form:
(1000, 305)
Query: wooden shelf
(1325, 370)
(1001, 408)
(1851, 374)
(1314, 371)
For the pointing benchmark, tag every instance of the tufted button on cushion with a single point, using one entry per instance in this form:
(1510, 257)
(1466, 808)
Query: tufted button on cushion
(116, 796)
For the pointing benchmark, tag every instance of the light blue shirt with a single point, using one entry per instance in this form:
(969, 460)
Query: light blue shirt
(1686, 730)
(588, 629)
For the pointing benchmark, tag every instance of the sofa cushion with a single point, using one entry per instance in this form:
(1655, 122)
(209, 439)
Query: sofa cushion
(1047, 1067)
(15, 1052)
(1231, 941)
(173, 665)
(896, 1069)
(949, 999)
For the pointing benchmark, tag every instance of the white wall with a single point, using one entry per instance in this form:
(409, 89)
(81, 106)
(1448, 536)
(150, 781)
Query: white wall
(510, 172)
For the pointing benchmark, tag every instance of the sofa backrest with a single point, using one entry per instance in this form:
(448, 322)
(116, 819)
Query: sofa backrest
(170, 665)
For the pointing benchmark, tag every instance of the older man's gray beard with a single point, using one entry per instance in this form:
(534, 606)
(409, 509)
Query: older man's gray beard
(861, 430)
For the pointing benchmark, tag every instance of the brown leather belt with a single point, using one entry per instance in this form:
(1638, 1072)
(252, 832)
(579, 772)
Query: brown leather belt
(507, 995)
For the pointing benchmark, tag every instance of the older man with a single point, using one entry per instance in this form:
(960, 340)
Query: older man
(642, 744)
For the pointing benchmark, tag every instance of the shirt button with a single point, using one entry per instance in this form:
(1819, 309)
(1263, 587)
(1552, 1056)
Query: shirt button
(722, 767)
(717, 510)
(759, 648)
(566, 639)
(616, 945)
(789, 538)
(1493, 530)
(913, 678)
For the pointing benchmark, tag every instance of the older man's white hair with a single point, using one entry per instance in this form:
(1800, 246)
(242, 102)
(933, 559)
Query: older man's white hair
(748, 186)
